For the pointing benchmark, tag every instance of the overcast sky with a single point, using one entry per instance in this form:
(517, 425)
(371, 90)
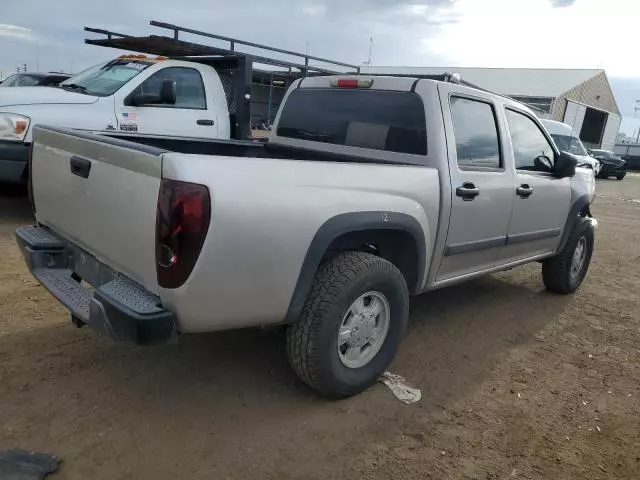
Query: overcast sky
(48, 35)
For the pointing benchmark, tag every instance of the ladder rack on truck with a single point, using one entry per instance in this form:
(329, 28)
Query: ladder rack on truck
(234, 67)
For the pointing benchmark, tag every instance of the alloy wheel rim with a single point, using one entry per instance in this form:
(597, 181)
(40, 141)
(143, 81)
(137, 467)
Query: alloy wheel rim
(363, 329)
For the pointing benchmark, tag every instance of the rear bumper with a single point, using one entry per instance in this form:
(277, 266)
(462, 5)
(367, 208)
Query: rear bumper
(13, 161)
(112, 305)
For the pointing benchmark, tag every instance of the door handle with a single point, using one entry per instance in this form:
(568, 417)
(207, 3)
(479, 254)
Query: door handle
(80, 166)
(468, 191)
(524, 191)
(204, 121)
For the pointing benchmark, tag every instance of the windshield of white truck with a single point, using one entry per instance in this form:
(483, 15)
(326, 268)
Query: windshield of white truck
(105, 79)
(570, 144)
(373, 119)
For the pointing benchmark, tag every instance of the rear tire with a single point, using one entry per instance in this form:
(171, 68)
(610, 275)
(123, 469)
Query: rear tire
(565, 272)
(621, 176)
(335, 351)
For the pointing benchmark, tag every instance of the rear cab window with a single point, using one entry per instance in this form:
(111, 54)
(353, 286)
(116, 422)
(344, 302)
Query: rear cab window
(373, 119)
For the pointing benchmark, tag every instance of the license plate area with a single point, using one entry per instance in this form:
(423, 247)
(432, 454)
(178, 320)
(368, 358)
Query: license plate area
(88, 268)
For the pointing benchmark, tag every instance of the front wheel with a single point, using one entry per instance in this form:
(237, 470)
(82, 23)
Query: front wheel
(620, 176)
(351, 324)
(565, 272)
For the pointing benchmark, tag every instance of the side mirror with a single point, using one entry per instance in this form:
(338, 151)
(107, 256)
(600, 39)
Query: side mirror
(141, 99)
(544, 164)
(167, 96)
(565, 165)
(168, 92)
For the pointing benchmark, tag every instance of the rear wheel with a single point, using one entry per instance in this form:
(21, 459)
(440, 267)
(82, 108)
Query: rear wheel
(620, 176)
(351, 324)
(565, 272)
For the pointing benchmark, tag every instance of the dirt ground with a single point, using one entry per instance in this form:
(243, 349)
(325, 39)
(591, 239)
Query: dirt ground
(516, 383)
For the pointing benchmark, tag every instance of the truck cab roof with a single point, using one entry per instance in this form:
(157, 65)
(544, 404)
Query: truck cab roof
(401, 83)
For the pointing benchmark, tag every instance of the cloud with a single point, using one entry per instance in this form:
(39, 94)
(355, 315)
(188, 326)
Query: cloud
(15, 31)
(405, 32)
(335, 29)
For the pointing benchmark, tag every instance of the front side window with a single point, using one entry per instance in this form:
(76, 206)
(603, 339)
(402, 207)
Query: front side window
(28, 81)
(527, 140)
(189, 87)
(21, 80)
(565, 143)
(106, 79)
(11, 81)
(373, 119)
(476, 133)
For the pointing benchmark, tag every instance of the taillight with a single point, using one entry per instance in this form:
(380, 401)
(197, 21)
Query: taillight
(30, 179)
(351, 82)
(182, 222)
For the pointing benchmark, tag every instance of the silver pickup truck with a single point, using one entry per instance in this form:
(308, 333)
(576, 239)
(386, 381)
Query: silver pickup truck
(371, 189)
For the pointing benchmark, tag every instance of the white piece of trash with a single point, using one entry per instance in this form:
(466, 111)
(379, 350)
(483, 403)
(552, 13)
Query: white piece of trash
(400, 389)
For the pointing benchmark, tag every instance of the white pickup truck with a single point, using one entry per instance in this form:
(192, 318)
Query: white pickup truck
(133, 93)
(389, 187)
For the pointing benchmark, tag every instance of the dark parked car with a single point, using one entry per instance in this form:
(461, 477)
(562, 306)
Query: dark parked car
(34, 79)
(611, 165)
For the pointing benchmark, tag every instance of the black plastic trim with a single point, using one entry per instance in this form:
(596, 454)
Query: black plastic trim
(80, 166)
(104, 139)
(572, 218)
(14, 151)
(106, 314)
(467, 247)
(347, 223)
(126, 325)
(532, 236)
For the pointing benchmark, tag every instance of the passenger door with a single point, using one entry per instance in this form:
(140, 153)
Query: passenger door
(541, 199)
(189, 117)
(481, 193)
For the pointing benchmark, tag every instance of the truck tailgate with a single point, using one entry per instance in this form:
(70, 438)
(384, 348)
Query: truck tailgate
(101, 194)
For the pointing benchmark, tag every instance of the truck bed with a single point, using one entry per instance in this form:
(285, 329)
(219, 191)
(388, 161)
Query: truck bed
(241, 148)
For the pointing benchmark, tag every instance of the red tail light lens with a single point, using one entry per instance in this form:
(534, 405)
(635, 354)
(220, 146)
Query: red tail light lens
(182, 222)
(346, 83)
(351, 82)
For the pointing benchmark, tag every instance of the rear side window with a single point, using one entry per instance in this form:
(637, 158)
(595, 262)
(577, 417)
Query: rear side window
(375, 119)
(476, 133)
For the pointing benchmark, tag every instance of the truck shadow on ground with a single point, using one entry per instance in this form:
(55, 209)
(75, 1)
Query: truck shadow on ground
(457, 333)
(454, 336)
(14, 205)
(235, 390)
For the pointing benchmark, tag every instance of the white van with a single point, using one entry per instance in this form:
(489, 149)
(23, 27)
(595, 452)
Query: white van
(568, 141)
